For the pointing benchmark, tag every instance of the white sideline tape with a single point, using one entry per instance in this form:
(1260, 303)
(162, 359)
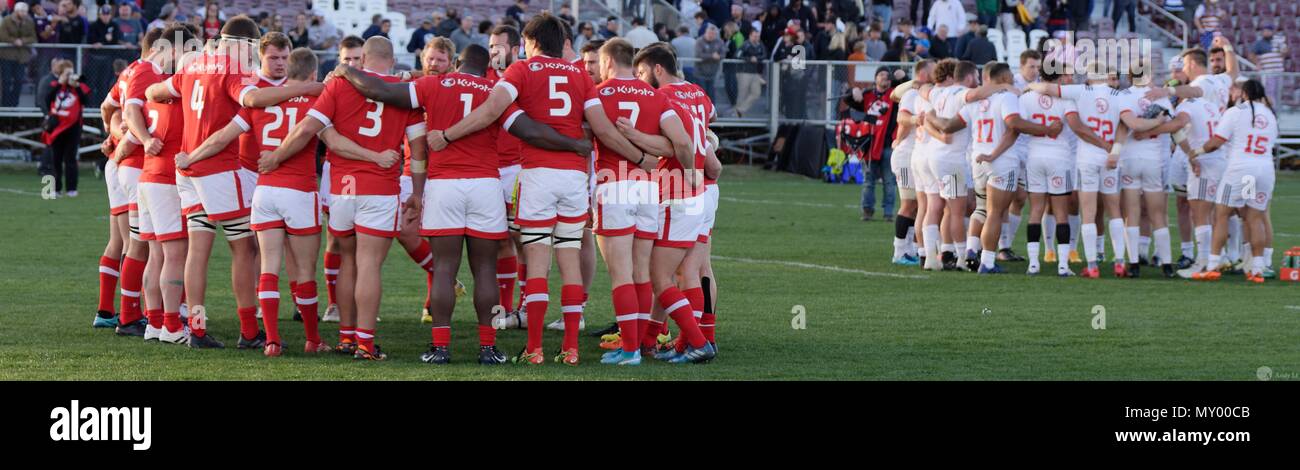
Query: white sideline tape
(822, 267)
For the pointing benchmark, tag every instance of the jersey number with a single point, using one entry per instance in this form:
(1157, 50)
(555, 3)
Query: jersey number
(1104, 129)
(467, 100)
(196, 100)
(984, 131)
(632, 106)
(567, 104)
(1256, 144)
(375, 116)
(279, 114)
(1046, 120)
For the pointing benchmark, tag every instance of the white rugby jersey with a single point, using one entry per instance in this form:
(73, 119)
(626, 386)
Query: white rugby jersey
(1155, 147)
(1045, 110)
(948, 105)
(1215, 88)
(908, 103)
(1250, 134)
(987, 119)
(1203, 115)
(1099, 108)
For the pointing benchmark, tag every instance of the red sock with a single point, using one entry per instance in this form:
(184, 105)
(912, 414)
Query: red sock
(293, 289)
(650, 335)
(645, 301)
(108, 283)
(487, 335)
(422, 255)
(366, 339)
(332, 263)
(506, 276)
(132, 280)
(536, 299)
(571, 298)
(442, 335)
(155, 317)
(679, 309)
(625, 313)
(305, 298)
(248, 321)
(347, 334)
(172, 321)
(696, 296)
(268, 297)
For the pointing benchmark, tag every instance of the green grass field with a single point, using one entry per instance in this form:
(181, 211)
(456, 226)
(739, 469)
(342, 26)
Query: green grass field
(783, 243)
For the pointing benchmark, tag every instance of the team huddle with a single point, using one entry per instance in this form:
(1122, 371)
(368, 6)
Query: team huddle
(1089, 158)
(514, 161)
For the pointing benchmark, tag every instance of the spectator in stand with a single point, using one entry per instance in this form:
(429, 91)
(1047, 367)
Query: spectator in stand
(212, 21)
(166, 16)
(45, 34)
(742, 24)
(771, 26)
(800, 13)
(922, 49)
(321, 34)
(567, 15)
(794, 80)
(374, 28)
(610, 31)
(419, 37)
(516, 11)
(749, 75)
(874, 106)
(640, 36)
(688, 8)
(1268, 54)
(980, 50)
(947, 13)
(1058, 16)
(71, 27)
(718, 11)
(924, 10)
(710, 50)
(939, 43)
(873, 47)
(64, 101)
(882, 11)
(898, 51)
(463, 36)
(1208, 18)
(299, 35)
(101, 32)
(662, 32)
(904, 31)
(732, 37)
(1081, 14)
(1122, 7)
(18, 30)
(449, 24)
(701, 20)
(586, 33)
(971, 22)
(986, 12)
(684, 46)
(128, 26)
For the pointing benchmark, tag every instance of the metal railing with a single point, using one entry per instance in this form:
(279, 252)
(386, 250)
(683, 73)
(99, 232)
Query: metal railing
(1161, 11)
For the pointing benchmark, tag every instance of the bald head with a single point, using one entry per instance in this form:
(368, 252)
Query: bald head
(377, 54)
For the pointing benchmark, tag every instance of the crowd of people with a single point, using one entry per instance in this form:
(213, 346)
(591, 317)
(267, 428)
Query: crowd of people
(972, 149)
(204, 144)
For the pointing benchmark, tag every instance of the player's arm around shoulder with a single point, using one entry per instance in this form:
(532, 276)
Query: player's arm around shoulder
(497, 102)
(398, 94)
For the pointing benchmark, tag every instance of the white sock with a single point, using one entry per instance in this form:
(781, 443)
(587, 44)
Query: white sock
(1032, 247)
(960, 249)
(1009, 230)
(972, 242)
(1163, 250)
(1074, 230)
(948, 248)
(1090, 243)
(1234, 238)
(1202, 235)
(911, 241)
(1116, 229)
(1134, 233)
(1245, 250)
(931, 233)
(1258, 265)
(1049, 230)
(1215, 259)
(1144, 245)
(1188, 249)
(986, 259)
(1101, 246)
(899, 245)
(1062, 257)
(1268, 257)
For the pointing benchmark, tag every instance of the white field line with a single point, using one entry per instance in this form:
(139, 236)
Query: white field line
(822, 267)
(19, 191)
